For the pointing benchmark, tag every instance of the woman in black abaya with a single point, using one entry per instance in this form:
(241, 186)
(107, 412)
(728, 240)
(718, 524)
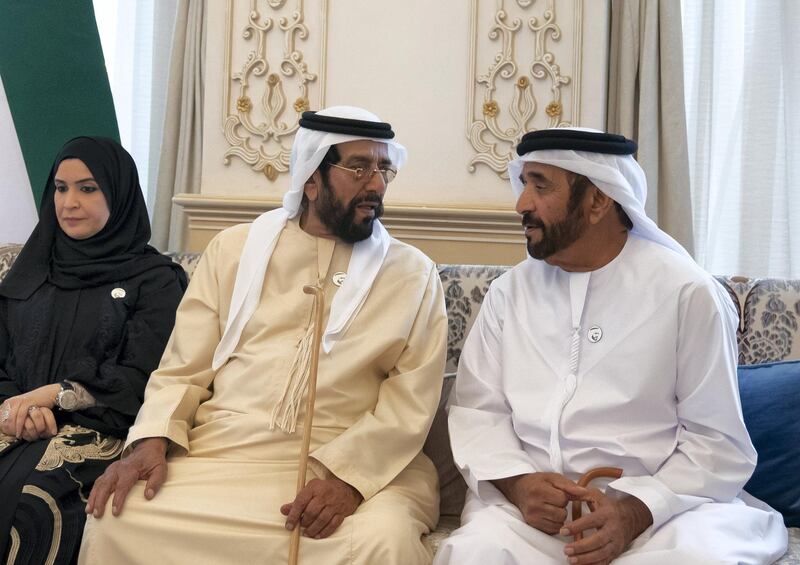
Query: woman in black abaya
(85, 314)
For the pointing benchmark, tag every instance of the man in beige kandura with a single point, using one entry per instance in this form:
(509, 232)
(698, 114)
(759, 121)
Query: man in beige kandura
(209, 468)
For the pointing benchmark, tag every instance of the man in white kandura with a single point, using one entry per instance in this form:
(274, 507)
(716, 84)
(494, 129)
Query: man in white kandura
(607, 347)
(209, 469)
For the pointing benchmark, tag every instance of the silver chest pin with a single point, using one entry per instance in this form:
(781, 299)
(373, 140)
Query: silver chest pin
(338, 278)
(118, 293)
(594, 334)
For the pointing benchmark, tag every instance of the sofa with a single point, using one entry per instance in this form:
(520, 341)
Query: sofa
(769, 332)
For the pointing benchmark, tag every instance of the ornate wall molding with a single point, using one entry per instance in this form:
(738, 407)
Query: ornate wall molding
(505, 101)
(266, 90)
(446, 234)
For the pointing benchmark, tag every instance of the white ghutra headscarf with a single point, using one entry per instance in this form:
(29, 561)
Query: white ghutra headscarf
(619, 177)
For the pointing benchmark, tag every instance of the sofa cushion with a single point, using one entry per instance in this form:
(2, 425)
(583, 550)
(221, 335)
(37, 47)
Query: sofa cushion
(452, 488)
(770, 396)
(769, 314)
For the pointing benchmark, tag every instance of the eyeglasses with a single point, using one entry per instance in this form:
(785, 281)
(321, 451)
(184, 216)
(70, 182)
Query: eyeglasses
(365, 175)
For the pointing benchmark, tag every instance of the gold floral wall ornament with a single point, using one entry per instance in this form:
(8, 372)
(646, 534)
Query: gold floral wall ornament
(522, 45)
(264, 70)
(244, 104)
(301, 105)
(491, 109)
(554, 109)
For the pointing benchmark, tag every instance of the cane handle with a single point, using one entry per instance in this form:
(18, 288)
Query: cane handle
(586, 478)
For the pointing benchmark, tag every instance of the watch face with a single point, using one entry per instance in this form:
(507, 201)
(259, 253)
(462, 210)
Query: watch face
(67, 400)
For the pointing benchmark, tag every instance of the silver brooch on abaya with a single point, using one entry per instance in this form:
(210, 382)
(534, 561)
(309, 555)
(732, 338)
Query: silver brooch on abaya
(338, 278)
(118, 293)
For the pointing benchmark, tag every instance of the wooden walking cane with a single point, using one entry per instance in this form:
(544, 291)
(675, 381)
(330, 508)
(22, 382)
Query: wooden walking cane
(586, 478)
(319, 309)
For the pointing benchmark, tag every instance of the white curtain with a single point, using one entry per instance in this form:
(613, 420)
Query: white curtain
(742, 87)
(137, 39)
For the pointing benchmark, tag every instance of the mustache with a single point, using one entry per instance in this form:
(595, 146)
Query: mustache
(529, 221)
(372, 197)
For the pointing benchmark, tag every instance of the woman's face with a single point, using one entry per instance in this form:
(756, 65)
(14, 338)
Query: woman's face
(81, 206)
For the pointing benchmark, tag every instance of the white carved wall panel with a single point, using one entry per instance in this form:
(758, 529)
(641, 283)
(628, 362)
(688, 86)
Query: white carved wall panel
(274, 68)
(524, 65)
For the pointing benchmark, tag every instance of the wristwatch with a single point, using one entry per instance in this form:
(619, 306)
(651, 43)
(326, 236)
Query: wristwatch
(67, 398)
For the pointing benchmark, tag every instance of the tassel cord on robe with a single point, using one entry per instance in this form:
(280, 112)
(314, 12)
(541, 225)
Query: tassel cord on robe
(287, 409)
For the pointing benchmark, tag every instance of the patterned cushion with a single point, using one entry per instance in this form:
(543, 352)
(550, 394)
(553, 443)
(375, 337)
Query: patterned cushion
(768, 312)
(464, 289)
(186, 260)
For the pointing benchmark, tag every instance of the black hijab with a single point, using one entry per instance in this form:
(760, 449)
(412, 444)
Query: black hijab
(117, 252)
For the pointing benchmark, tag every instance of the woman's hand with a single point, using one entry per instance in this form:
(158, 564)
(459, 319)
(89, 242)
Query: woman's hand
(40, 424)
(15, 410)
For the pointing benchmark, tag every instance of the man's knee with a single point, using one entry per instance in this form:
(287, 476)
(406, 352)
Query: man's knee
(491, 536)
(390, 537)
(102, 532)
(473, 544)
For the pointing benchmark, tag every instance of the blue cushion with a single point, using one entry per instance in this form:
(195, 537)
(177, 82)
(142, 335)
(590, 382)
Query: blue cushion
(771, 405)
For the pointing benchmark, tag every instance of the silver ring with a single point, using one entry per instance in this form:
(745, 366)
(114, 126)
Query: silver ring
(32, 408)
